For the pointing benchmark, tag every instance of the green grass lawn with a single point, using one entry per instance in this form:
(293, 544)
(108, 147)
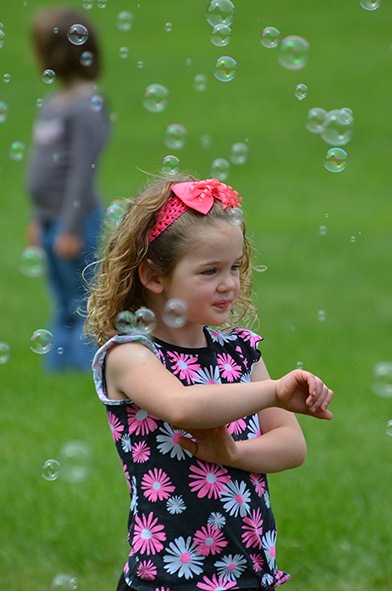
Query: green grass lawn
(333, 513)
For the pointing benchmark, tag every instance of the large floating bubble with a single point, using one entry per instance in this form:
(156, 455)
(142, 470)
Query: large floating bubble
(338, 127)
(114, 213)
(155, 98)
(225, 68)
(41, 341)
(381, 379)
(77, 34)
(75, 459)
(239, 153)
(124, 20)
(145, 320)
(175, 136)
(370, 4)
(175, 313)
(315, 120)
(335, 160)
(294, 53)
(48, 76)
(220, 169)
(270, 37)
(3, 111)
(125, 322)
(170, 164)
(220, 12)
(220, 35)
(17, 151)
(50, 470)
(64, 582)
(5, 352)
(33, 261)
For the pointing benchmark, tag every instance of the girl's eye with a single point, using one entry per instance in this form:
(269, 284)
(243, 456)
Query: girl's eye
(236, 267)
(209, 272)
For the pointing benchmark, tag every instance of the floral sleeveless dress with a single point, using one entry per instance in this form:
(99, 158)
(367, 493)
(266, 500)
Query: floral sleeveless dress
(192, 524)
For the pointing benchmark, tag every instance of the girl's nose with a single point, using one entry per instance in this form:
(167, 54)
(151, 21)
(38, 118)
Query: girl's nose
(227, 283)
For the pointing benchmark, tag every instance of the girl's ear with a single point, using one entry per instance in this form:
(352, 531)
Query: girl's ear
(149, 277)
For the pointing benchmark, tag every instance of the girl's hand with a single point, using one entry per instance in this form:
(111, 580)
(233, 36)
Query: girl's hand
(211, 445)
(302, 392)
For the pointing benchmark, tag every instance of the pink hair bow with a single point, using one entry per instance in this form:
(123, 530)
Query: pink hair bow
(200, 195)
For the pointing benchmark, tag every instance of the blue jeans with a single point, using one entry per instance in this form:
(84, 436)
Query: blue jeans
(72, 349)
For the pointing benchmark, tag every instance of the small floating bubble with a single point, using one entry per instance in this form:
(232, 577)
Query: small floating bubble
(155, 98)
(220, 169)
(114, 213)
(17, 151)
(388, 429)
(175, 136)
(41, 341)
(323, 230)
(96, 103)
(124, 20)
(123, 53)
(170, 164)
(270, 37)
(33, 261)
(239, 153)
(321, 315)
(168, 27)
(124, 322)
(225, 69)
(335, 160)
(200, 82)
(301, 91)
(145, 321)
(6, 78)
(64, 582)
(50, 470)
(5, 352)
(48, 76)
(370, 4)
(3, 111)
(315, 120)
(77, 34)
(87, 58)
(221, 35)
(381, 379)
(175, 313)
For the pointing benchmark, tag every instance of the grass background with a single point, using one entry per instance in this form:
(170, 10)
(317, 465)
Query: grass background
(333, 513)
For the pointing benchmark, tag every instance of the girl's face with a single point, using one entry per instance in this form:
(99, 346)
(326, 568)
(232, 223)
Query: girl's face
(207, 277)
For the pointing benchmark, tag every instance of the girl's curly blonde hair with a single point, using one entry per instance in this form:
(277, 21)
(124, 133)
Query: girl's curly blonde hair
(117, 287)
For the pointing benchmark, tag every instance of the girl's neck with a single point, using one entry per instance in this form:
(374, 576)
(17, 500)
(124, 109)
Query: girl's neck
(188, 337)
(72, 89)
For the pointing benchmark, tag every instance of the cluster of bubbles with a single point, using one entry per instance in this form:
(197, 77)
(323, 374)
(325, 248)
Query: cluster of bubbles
(336, 128)
(64, 582)
(41, 341)
(143, 321)
(155, 98)
(33, 261)
(220, 167)
(73, 464)
(293, 51)
(220, 14)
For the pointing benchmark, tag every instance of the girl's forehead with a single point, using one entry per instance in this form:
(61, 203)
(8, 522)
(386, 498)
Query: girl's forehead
(223, 237)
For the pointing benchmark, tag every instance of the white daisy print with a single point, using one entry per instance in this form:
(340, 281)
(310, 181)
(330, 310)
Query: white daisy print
(245, 377)
(167, 443)
(222, 337)
(182, 558)
(217, 519)
(231, 567)
(126, 443)
(253, 427)
(267, 580)
(133, 506)
(175, 505)
(269, 541)
(267, 499)
(207, 376)
(236, 498)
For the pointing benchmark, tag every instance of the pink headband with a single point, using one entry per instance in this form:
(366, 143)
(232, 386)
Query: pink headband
(199, 196)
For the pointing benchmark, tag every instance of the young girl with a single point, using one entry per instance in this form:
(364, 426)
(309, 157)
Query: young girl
(69, 134)
(195, 459)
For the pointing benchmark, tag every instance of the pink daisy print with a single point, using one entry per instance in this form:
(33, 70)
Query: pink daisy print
(253, 527)
(237, 427)
(147, 570)
(148, 535)
(230, 371)
(216, 584)
(140, 421)
(209, 479)
(208, 540)
(163, 589)
(258, 483)
(157, 485)
(248, 335)
(140, 452)
(184, 365)
(257, 561)
(115, 425)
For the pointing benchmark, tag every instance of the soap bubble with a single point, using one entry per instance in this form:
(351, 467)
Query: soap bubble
(87, 58)
(175, 136)
(370, 4)
(300, 365)
(64, 582)
(48, 76)
(335, 160)
(2, 38)
(102, 3)
(352, 239)
(220, 169)
(140, 64)
(114, 213)
(124, 322)
(200, 82)
(96, 103)
(220, 12)
(175, 313)
(338, 127)
(294, 53)
(124, 20)
(323, 230)
(77, 34)
(270, 37)
(155, 98)
(17, 151)
(168, 27)
(39, 102)
(381, 379)
(144, 321)
(87, 4)
(75, 459)
(221, 35)
(41, 341)
(170, 164)
(301, 91)
(388, 429)
(188, 61)
(50, 470)
(3, 111)
(239, 153)
(33, 261)
(206, 141)
(321, 315)
(60, 350)
(225, 69)
(5, 352)
(315, 120)
(6, 78)
(123, 53)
